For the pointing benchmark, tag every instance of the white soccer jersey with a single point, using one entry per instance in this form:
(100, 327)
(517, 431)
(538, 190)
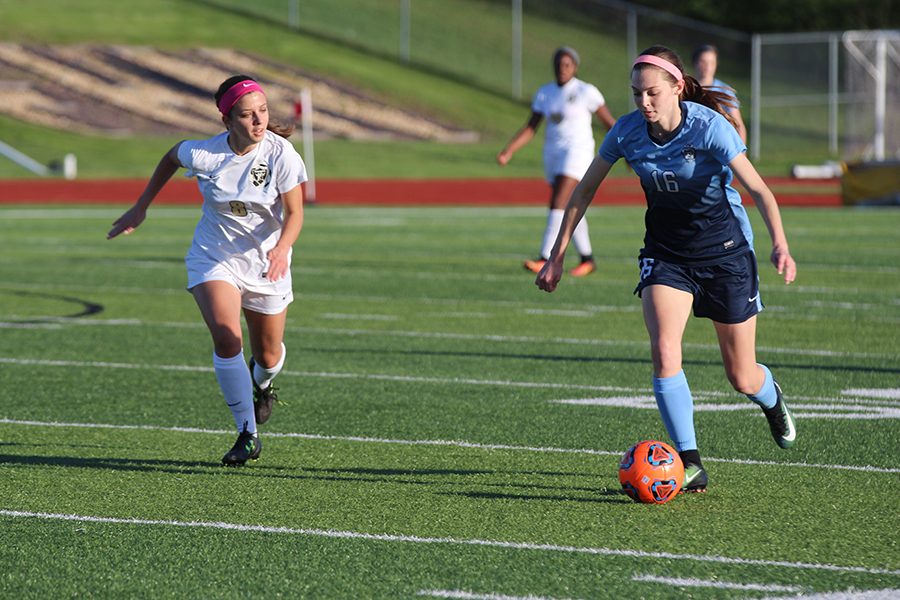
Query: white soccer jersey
(242, 214)
(569, 139)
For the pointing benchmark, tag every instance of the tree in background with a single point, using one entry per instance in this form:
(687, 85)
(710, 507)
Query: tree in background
(766, 16)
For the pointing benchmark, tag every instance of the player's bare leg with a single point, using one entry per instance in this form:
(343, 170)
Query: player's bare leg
(666, 312)
(737, 342)
(220, 305)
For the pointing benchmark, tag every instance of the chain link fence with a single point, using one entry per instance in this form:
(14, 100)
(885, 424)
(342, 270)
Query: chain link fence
(803, 95)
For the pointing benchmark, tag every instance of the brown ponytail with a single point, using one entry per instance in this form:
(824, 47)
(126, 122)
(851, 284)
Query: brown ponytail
(718, 100)
(276, 127)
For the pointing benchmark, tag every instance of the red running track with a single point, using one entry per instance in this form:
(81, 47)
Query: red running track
(381, 192)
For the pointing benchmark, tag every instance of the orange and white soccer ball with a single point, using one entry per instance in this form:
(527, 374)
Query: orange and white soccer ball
(651, 472)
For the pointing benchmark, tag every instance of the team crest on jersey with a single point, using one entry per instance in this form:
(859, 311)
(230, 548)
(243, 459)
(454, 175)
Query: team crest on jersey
(259, 175)
(688, 153)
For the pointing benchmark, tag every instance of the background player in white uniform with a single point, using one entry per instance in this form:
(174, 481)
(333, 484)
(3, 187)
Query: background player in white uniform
(698, 249)
(240, 257)
(568, 104)
(705, 59)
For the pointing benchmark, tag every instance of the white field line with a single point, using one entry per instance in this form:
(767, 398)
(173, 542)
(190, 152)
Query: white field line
(445, 443)
(358, 317)
(325, 375)
(851, 594)
(722, 585)
(387, 537)
(516, 339)
(629, 402)
(849, 408)
(889, 393)
(464, 595)
(639, 402)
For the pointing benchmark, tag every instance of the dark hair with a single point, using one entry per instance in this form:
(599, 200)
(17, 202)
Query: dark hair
(701, 50)
(567, 51)
(712, 98)
(274, 126)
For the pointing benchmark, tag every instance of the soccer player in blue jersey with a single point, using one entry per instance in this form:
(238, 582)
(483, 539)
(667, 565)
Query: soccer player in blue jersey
(698, 248)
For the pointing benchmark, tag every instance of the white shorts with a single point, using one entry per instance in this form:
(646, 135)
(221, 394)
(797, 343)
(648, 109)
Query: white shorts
(571, 162)
(267, 303)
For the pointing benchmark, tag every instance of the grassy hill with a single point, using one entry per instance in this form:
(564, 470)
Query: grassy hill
(477, 31)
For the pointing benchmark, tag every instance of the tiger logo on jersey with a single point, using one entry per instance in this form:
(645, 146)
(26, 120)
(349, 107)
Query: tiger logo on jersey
(688, 153)
(259, 175)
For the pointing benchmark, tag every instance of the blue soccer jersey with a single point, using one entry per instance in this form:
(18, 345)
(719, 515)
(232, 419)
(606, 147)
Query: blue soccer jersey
(693, 215)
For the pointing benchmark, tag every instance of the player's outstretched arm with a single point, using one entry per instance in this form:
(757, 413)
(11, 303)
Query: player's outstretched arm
(135, 215)
(581, 198)
(768, 209)
(522, 137)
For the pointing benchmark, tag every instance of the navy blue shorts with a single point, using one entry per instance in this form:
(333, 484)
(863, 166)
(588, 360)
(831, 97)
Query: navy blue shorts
(726, 293)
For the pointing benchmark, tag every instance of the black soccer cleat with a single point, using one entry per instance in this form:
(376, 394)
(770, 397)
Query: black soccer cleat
(781, 421)
(695, 479)
(247, 447)
(263, 399)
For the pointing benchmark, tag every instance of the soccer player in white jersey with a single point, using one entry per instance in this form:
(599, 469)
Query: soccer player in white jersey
(250, 177)
(698, 247)
(568, 105)
(705, 59)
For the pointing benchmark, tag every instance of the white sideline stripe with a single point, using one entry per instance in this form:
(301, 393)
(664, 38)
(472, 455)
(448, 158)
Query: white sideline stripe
(387, 537)
(464, 595)
(456, 336)
(325, 375)
(888, 393)
(851, 594)
(640, 402)
(821, 408)
(359, 317)
(450, 443)
(722, 585)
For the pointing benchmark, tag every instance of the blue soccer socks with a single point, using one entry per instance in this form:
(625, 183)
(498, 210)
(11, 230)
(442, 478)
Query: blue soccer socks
(767, 396)
(676, 406)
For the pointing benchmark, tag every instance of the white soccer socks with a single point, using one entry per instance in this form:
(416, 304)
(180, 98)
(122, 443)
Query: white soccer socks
(580, 237)
(263, 376)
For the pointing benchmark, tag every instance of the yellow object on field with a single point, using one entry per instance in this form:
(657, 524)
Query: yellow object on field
(871, 183)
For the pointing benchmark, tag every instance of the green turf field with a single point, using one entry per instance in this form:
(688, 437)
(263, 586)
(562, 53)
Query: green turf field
(450, 430)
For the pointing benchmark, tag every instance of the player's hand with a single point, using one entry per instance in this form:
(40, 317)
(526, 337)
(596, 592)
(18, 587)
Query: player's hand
(784, 263)
(503, 157)
(550, 275)
(127, 223)
(278, 263)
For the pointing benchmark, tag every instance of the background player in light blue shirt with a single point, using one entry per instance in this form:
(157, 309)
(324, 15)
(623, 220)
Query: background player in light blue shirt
(705, 59)
(698, 253)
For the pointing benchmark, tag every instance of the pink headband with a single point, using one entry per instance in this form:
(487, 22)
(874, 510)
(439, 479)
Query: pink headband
(661, 63)
(234, 93)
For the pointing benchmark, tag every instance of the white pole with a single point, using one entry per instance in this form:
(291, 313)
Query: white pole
(309, 157)
(70, 166)
(294, 14)
(23, 160)
(755, 94)
(517, 48)
(405, 27)
(880, 95)
(631, 28)
(833, 94)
